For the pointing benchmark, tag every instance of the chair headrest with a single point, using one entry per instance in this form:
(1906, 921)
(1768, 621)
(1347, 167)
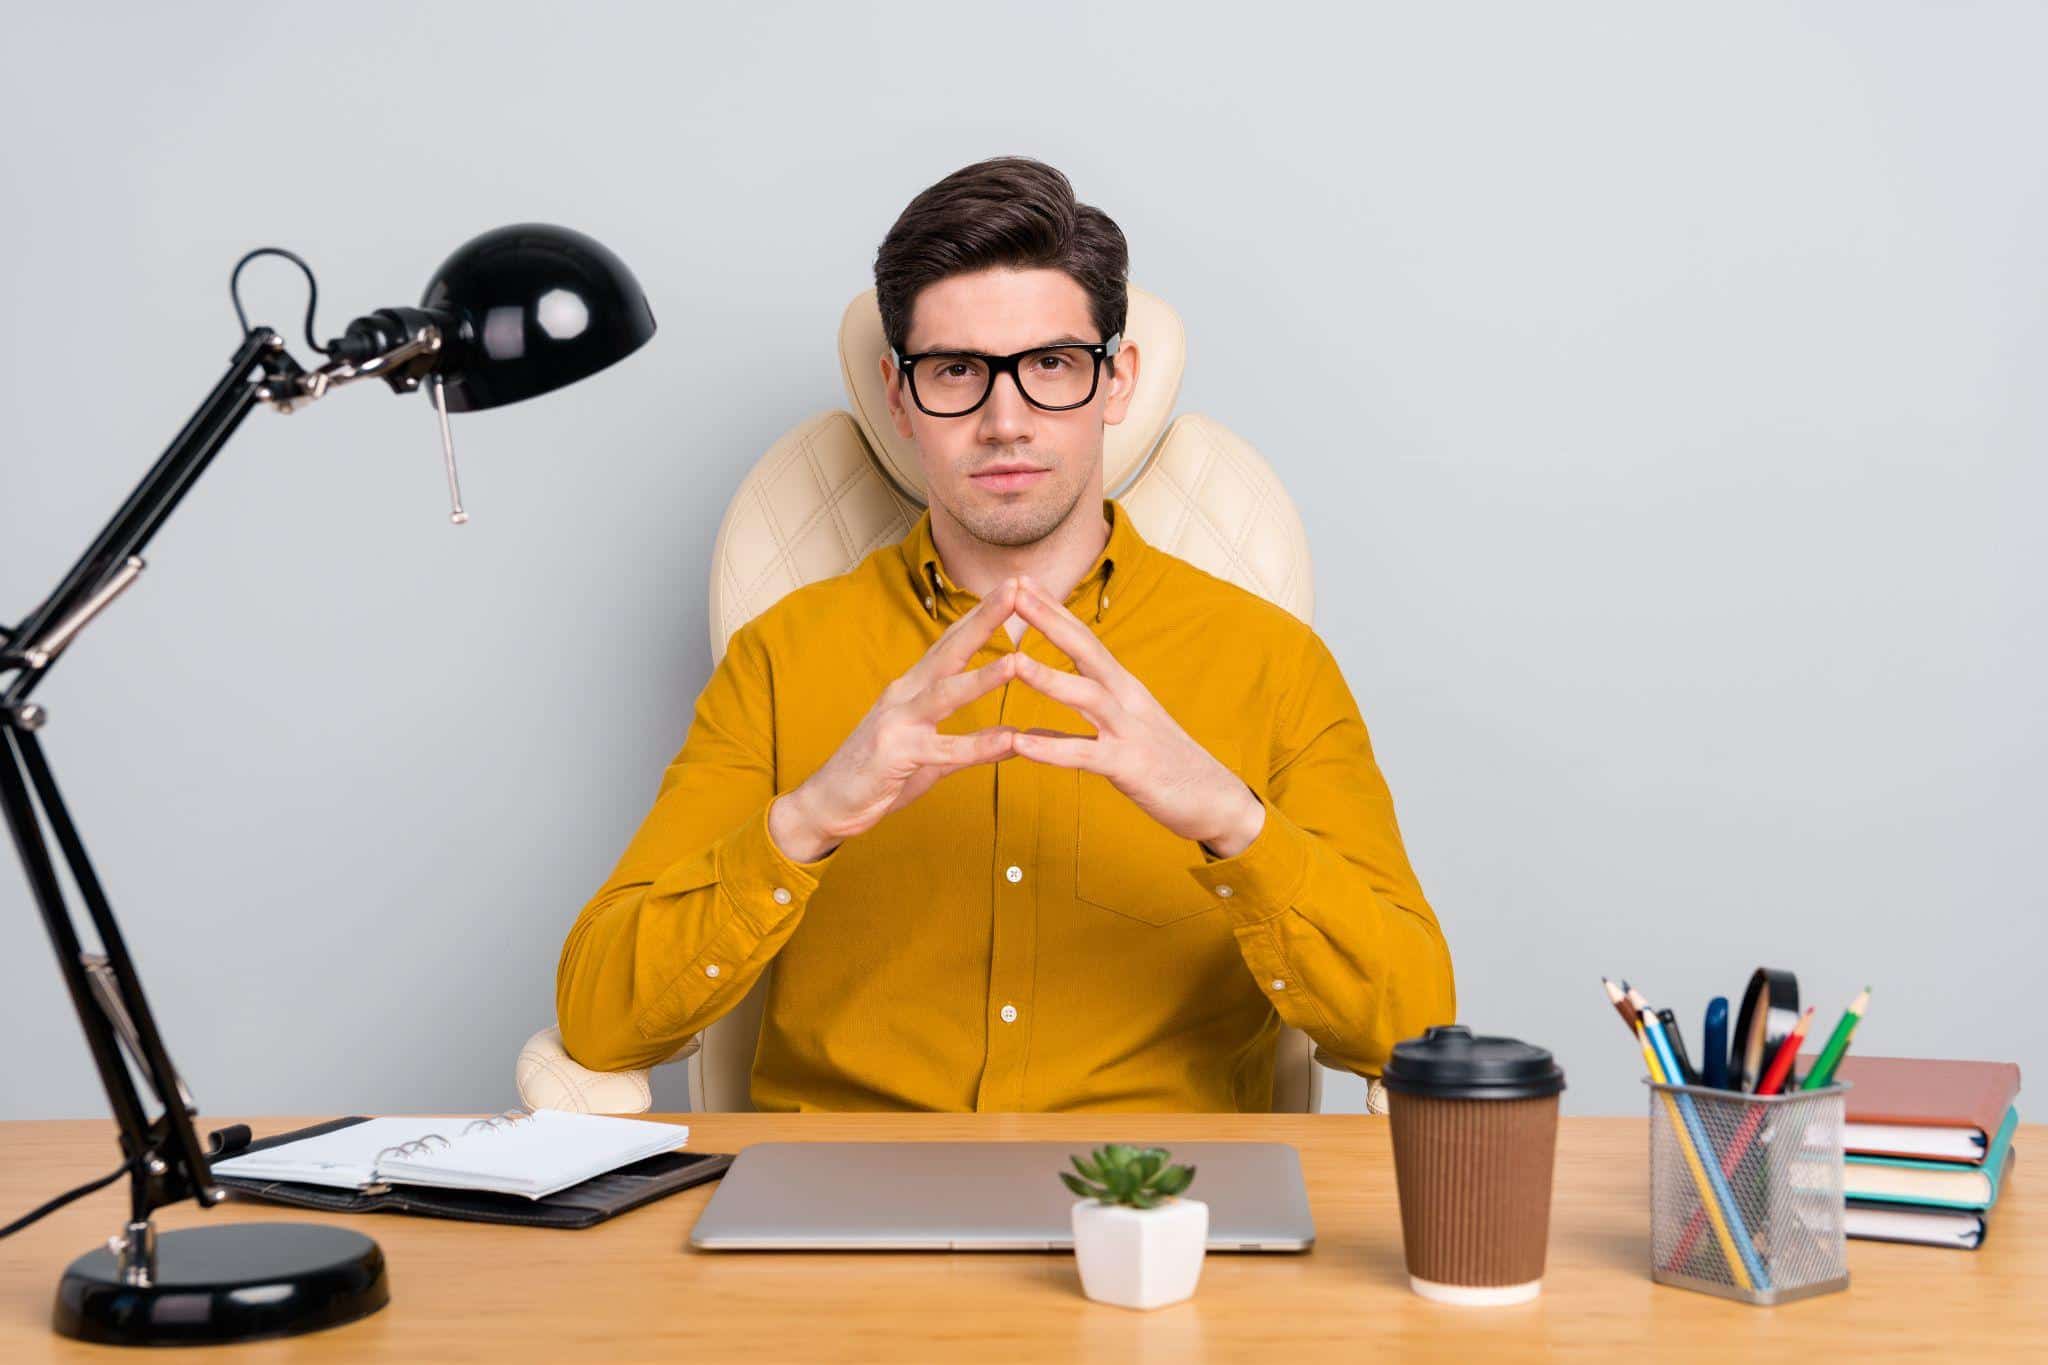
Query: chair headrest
(1162, 356)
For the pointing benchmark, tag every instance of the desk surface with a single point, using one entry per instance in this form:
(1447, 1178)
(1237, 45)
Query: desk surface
(630, 1289)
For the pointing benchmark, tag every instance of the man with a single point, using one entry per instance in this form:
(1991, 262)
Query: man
(1027, 813)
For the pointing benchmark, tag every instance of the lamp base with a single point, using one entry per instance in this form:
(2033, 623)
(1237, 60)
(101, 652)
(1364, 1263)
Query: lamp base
(236, 1282)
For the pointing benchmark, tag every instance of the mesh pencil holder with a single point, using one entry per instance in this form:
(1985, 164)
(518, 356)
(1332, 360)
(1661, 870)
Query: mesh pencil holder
(1746, 1192)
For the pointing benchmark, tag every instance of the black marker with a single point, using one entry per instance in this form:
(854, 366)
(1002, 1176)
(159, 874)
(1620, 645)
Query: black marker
(1677, 1039)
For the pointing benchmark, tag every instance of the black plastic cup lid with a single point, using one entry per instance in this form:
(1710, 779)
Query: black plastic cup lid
(1450, 1063)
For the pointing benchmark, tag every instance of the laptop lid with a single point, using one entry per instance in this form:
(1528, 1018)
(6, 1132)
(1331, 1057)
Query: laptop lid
(977, 1196)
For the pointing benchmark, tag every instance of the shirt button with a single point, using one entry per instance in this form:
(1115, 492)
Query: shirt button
(1224, 892)
(1279, 985)
(1009, 1014)
(927, 604)
(782, 895)
(1014, 873)
(711, 970)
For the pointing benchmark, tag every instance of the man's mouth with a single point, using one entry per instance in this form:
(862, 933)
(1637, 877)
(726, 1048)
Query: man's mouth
(1010, 478)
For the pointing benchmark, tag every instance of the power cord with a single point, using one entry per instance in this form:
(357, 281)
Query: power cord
(61, 1200)
(221, 1142)
(312, 291)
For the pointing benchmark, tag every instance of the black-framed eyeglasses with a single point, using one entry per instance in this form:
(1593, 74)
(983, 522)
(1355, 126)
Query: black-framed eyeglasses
(1055, 378)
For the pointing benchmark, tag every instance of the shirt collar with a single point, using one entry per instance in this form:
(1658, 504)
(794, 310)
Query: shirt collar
(1114, 568)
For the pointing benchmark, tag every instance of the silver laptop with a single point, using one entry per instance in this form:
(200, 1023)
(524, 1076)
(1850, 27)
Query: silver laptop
(977, 1196)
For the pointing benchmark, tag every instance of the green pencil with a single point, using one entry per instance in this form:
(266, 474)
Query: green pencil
(1838, 1043)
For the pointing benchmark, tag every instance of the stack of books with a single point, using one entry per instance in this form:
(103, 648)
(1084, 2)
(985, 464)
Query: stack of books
(1929, 1143)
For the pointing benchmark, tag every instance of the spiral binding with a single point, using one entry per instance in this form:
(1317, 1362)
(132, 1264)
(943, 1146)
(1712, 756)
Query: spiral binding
(419, 1145)
(506, 1120)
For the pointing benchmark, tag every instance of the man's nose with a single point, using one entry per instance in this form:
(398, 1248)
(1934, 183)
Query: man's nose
(1006, 416)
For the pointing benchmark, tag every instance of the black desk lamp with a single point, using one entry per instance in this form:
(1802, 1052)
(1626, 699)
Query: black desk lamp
(514, 313)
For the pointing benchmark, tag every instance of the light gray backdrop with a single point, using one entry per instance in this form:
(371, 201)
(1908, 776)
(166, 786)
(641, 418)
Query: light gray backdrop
(1661, 387)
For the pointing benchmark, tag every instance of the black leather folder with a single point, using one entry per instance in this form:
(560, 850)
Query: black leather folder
(579, 1206)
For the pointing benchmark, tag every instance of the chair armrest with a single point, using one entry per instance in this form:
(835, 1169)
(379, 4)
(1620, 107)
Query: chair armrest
(1375, 1093)
(549, 1078)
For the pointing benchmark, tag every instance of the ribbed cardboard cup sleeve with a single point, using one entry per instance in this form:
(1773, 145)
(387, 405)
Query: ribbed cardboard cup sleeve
(1474, 1179)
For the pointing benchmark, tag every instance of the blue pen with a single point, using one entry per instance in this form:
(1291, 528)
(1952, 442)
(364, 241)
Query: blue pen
(1714, 1066)
(1653, 1029)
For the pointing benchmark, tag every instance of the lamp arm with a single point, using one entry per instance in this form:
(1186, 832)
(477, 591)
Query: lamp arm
(164, 1156)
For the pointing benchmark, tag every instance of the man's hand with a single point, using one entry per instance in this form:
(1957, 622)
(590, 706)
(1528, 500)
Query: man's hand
(1139, 747)
(896, 752)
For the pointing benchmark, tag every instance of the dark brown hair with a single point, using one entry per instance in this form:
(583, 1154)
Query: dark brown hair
(1008, 211)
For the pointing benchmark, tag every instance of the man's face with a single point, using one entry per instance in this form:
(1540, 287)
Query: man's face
(999, 312)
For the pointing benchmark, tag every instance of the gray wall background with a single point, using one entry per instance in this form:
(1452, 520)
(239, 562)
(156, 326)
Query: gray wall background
(1661, 387)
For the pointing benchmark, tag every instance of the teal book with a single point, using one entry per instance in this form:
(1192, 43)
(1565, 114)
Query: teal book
(1935, 1184)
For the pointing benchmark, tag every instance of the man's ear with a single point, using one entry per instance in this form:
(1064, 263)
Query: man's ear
(892, 389)
(1123, 383)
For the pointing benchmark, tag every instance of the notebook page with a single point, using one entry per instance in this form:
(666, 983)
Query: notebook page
(346, 1157)
(548, 1151)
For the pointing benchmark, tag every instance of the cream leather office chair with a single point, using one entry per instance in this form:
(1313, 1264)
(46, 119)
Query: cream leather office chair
(843, 484)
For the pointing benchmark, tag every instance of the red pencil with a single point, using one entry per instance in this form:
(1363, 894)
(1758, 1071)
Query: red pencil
(1781, 1063)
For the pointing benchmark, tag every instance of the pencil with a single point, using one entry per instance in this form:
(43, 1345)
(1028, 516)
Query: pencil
(1620, 1003)
(1823, 1072)
(1673, 1036)
(1781, 1065)
(1715, 1196)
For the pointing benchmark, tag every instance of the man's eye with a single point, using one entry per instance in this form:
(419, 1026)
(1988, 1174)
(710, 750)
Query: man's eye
(1052, 362)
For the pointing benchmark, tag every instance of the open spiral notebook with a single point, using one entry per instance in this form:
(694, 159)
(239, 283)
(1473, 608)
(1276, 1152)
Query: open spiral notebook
(533, 1153)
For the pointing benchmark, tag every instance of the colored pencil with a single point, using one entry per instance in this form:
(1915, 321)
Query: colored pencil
(1781, 1065)
(1823, 1072)
(1620, 1003)
(1715, 1196)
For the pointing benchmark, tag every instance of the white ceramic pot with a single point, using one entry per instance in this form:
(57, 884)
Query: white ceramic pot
(1140, 1258)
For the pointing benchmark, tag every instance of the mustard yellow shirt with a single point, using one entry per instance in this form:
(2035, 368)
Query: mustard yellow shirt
(1022, 936)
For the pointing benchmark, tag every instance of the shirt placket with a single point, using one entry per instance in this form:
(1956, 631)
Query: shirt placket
(1016, 870)
(1015, 886)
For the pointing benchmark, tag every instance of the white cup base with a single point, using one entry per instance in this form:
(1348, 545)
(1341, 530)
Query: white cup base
(1475, 1295)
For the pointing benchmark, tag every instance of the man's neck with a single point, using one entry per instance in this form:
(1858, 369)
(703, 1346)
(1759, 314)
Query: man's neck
(1057, 562)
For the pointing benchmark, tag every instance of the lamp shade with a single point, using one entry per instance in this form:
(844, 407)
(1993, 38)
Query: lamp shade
(532, 307)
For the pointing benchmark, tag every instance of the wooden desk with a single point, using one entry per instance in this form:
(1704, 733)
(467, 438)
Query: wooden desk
(630, 1290)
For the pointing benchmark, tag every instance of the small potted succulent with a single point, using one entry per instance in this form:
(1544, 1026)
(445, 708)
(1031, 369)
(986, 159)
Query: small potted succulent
(1138, 1244)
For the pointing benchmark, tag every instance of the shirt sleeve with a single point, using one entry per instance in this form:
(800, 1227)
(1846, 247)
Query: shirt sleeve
(702, 898)
(1324, 904)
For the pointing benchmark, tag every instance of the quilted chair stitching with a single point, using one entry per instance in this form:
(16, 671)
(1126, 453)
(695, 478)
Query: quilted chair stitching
(1262, 490)
(833, 497)
(783, 559)
(570, 1081)
(1215, 453)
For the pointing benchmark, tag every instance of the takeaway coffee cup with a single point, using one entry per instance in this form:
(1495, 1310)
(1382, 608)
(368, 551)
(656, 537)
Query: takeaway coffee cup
(1475, 1138)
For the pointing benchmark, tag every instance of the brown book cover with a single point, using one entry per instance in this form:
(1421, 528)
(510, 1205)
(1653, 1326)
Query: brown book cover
(1924, 1092)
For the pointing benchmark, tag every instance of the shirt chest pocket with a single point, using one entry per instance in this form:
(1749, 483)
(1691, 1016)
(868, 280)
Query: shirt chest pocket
(1128, 863)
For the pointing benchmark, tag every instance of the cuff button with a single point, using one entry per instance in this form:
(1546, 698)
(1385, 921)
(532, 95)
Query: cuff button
(782, 895)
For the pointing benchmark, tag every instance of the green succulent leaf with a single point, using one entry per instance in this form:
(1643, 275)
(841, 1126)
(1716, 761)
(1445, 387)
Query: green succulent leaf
(1121, 1173)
